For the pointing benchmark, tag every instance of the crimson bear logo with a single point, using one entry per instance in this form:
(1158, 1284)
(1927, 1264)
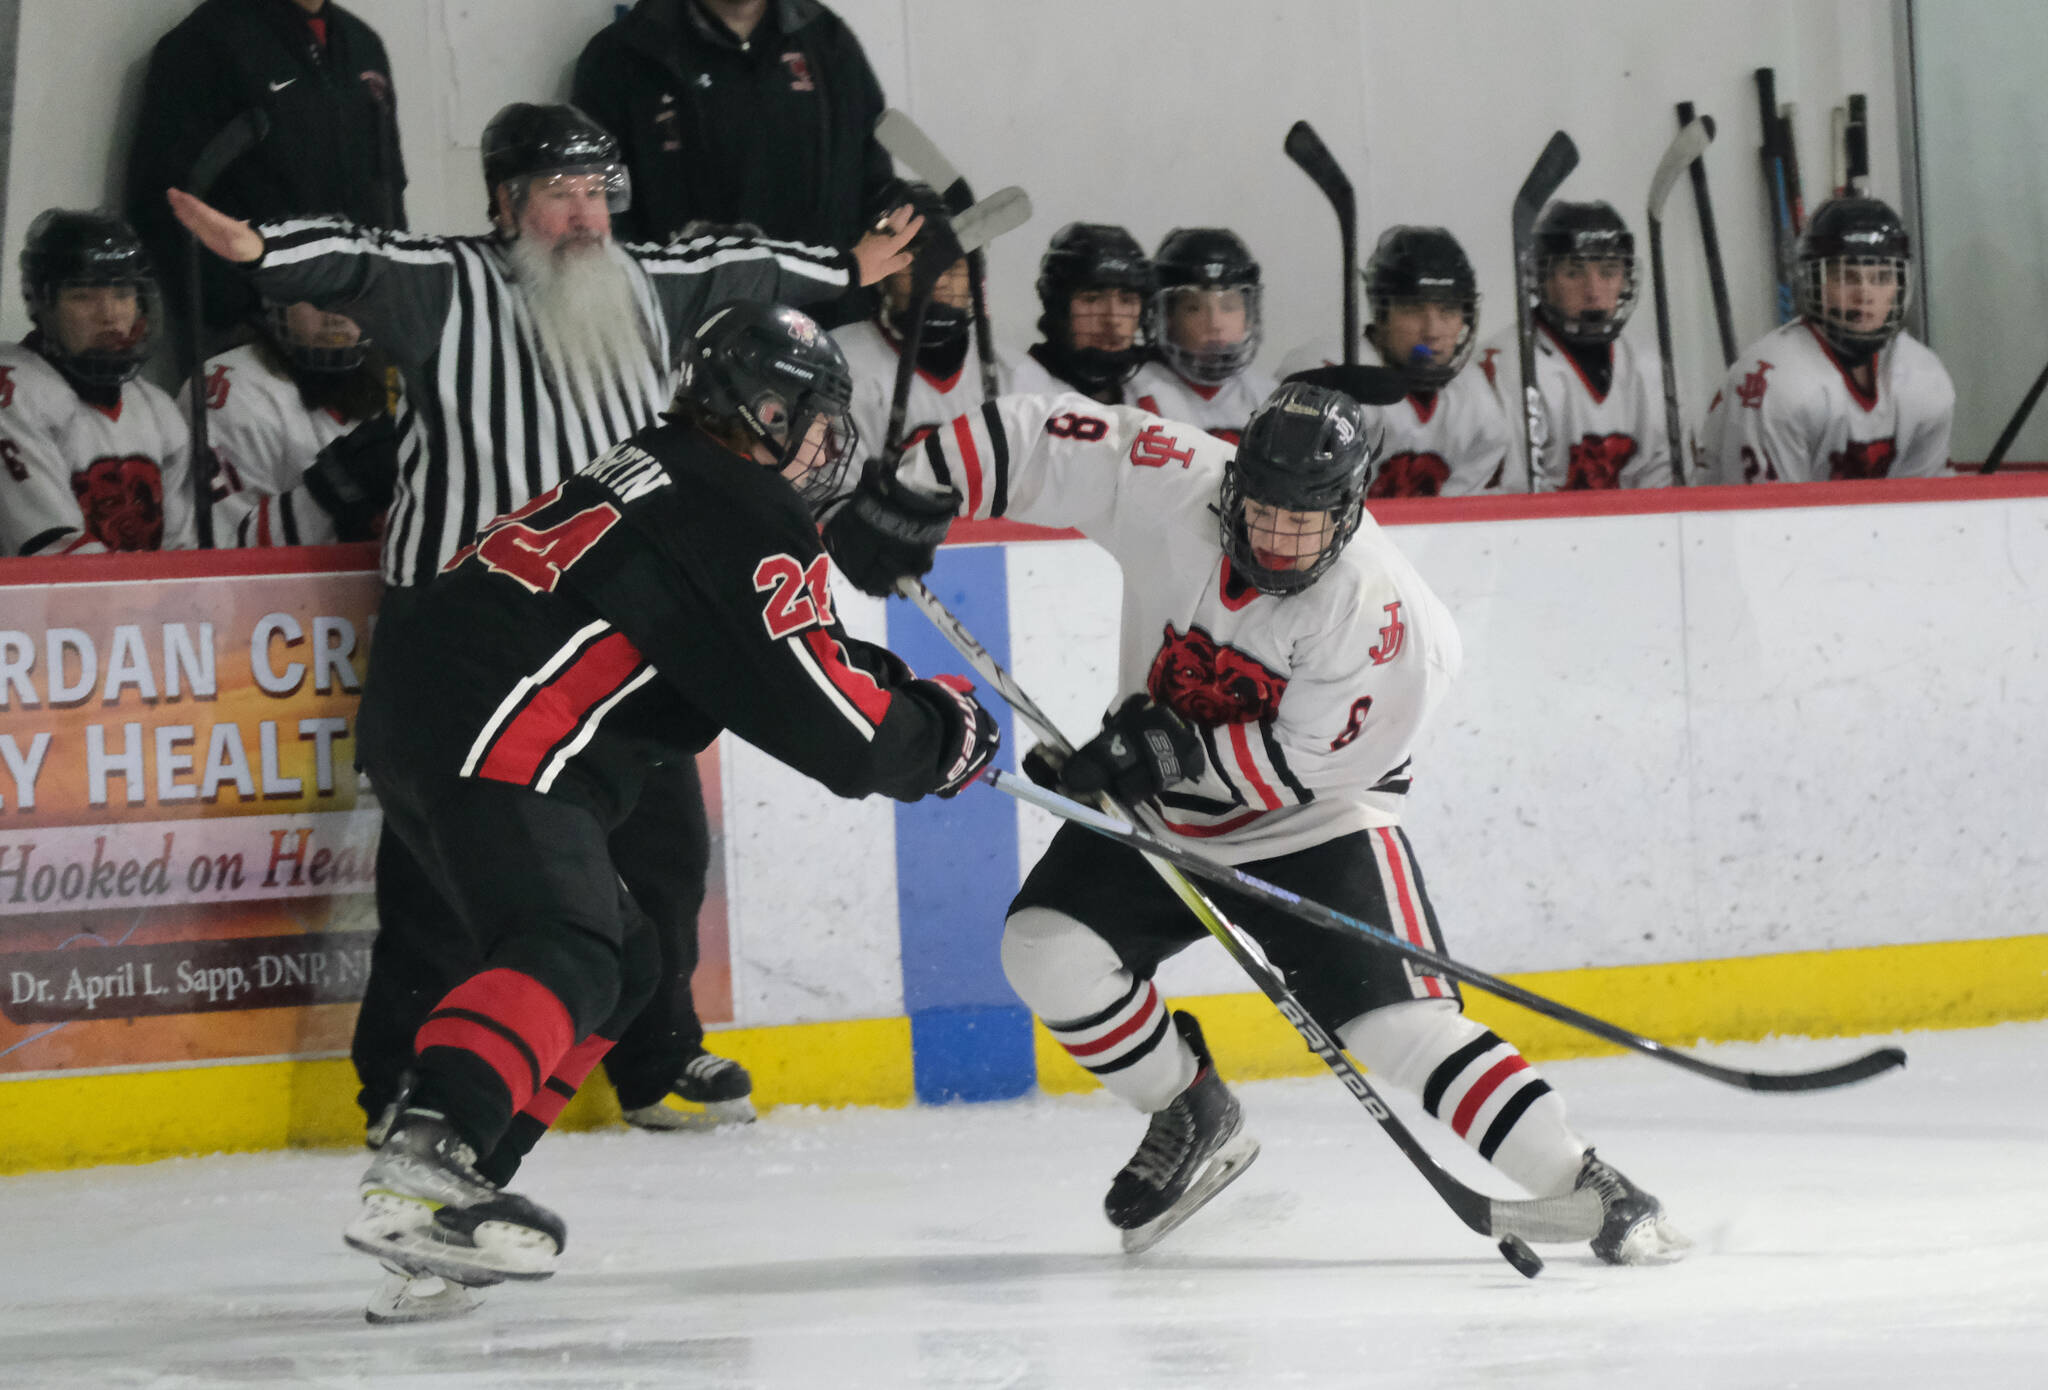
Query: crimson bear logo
(122, 500)
(1751, 392)
(1411, 474)
(1210, 683)
(1864, 459)
(1597, 461)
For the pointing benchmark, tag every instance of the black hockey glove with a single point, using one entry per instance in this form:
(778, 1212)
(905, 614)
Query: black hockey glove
(886, 531)
(971, 737)
(1143, 749)
(354, 476)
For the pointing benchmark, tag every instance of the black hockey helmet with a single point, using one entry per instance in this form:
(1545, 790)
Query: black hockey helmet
(1424, 265)
(320, 358)
(943, 323)
(525, 141)
(1860, 244)
(1091, 256)
(773, 373)
(89, 250)
(1204, 258)
(1306, 450)
(1584, 232)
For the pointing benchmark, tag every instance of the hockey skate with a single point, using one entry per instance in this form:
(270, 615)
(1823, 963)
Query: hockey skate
(426, 1211)
(402, 1298)
(714, 1091)
(1635, 1230)
(1194, 1149)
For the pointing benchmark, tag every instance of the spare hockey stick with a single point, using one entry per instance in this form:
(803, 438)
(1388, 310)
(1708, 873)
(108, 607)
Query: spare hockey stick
(903, 139)
(1788, 137)
(228, 144)
(2012, 427)
(1777, 187)
(1710, 243)
(1366, 385)
(1201, 866)
(1689, 145)
(1571, 1217)
(1306, 149)
(1856, 147)
(1002, 211)
(1551, 169)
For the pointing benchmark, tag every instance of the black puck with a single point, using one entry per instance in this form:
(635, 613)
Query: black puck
(1516, 1252)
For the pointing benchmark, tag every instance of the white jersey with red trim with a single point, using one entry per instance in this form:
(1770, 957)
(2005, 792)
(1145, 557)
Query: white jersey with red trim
(1789, 412)
(1221, 410)
(1591, 440)
(873, 355)
(1449, 443)
(76, 478)
(1308, 704)
(264, 438)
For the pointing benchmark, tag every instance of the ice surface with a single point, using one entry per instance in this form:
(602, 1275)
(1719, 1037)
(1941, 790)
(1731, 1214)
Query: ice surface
(1893, 1234)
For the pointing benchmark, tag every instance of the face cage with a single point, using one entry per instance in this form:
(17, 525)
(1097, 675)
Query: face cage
(1237, 539)
(1436, 375)
(326, 360)
(618, 184)
(943, 323)
(1215, 366)
(96, 367)
(1579, 329)
(1854, 341)
(825, 479)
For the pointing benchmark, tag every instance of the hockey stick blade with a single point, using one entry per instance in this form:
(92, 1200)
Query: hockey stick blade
(999, 214)
(1313, 157)
(228, 144)
(1315, 913)
(902, 137)
(1689, 144)
(1546, 175)
(1366, 385)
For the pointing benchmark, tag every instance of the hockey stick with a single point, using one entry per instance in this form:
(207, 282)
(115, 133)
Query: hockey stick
(1783, 237)
(1788, 141)
(1201, 866)
(1838, 150)
(1684, 150)
(2012, 427)
(1571, 1217)
(1002, 211)
(1856, 147)
(1307, 150)
(228, 144)
(902, 138)
(1710, 243)
(1551, 169)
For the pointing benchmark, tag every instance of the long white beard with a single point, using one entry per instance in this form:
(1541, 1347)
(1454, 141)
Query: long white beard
(582, 301)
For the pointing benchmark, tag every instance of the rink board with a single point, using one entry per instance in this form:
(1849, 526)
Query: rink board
(1774, 769)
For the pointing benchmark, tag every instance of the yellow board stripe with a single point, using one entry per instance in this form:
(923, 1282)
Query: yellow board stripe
(132, 1117)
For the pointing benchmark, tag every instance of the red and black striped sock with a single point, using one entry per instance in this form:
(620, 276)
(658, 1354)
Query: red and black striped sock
(540, 1113)
(486, 1051)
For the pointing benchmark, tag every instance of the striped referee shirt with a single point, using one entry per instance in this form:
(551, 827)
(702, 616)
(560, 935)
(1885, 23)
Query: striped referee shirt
(489, 424)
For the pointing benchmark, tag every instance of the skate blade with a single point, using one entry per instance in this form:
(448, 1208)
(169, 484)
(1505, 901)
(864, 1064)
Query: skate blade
(1224, 1167)
(665, 1117)
(405, 1298)
(1654, 1241)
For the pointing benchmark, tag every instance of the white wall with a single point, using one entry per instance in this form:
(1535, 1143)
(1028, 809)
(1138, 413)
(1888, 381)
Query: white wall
(1155, 113)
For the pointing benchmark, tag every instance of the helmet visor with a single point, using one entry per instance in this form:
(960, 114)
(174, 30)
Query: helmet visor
(610, 181)
(1206, 333)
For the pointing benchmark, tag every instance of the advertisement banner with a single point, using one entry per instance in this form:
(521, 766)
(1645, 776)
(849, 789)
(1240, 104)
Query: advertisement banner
(187, 854)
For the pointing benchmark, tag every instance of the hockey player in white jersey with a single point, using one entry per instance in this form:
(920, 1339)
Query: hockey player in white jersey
(948, 380)
(1841, 391)
(1603, 396)
(1279, 659)
(1204, 323)
(1449, 436)
(1093, 284)
(284, 412)
(92, 459)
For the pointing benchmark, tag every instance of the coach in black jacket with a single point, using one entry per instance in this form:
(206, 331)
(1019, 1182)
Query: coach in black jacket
(758, 111)
(322, 76)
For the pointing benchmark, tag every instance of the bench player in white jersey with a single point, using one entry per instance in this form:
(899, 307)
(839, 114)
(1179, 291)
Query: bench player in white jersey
(1448, 438)
(281, 410)
(92, 459)
(1204, 324)
(1279, 659)
(1839, 392)
(947, 382)
(1603, 396)
(1093, 282)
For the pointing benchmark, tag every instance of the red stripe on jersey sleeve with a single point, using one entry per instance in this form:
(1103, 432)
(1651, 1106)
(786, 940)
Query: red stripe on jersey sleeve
(558, 708)
(856, 685)
(970, 460)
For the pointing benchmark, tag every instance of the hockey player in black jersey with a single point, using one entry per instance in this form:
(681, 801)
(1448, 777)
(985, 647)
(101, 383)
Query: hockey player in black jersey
(672, 589)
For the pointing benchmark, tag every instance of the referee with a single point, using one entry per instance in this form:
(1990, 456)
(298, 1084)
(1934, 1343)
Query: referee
(526, 353)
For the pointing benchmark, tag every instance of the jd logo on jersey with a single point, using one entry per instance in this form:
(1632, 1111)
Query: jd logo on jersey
(217, 388)
(1154, 448)
(1751, 392)
(6, 387)
(1391, 636)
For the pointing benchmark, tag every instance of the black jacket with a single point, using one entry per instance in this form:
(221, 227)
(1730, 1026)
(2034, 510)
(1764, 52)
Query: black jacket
(778, 132)
(332, 145)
